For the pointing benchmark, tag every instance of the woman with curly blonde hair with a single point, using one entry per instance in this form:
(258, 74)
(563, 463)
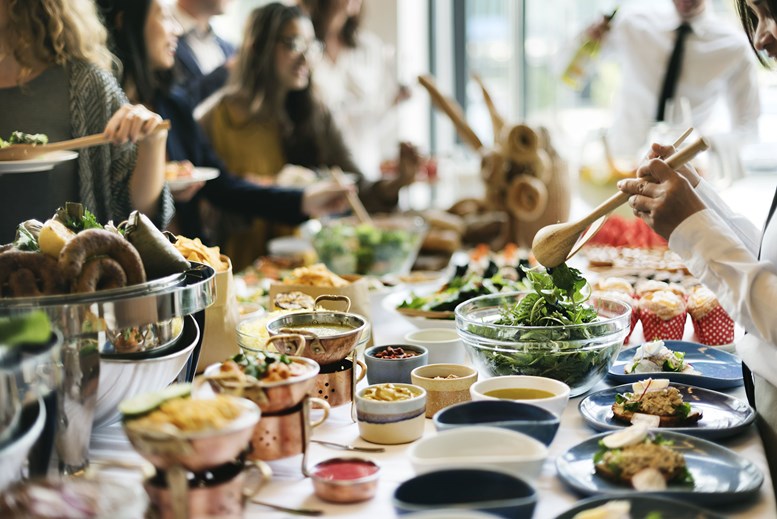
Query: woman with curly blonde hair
(55, 79)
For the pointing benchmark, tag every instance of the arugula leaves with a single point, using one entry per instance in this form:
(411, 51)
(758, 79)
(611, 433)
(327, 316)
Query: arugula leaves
(558, 299)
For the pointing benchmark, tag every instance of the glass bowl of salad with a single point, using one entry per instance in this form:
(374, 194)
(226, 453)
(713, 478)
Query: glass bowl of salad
(550, 332)
(388, 246)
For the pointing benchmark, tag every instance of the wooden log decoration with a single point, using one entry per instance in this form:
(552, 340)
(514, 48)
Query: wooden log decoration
(523, 174)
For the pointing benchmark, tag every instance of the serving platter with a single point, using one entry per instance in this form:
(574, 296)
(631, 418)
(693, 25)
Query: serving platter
(198, 175)
(43, 163)
(718, 369)
(720, 475)
(722, 415)
(418, 318)
(641, 506)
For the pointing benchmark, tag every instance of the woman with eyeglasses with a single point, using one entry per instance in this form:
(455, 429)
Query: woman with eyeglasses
(357, 80)
(144, 37)
(725, 251)
(55, 79)
(267, 117)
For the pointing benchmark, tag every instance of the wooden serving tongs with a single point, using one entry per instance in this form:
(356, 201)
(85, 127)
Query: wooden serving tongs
(554, 244)
(30, 151)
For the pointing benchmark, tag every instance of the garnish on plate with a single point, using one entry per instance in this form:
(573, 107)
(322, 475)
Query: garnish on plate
(654, 356)
(656, 403)
(644, 461)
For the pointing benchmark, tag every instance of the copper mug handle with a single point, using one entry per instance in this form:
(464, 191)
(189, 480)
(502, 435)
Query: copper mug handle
(297, 338)
(257, 474)
(332, 297)
(324, 406)
(362, 371)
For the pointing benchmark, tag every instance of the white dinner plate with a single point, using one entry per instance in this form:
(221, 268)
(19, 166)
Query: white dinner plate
(198, 175)
(42, 163)
(393, 300)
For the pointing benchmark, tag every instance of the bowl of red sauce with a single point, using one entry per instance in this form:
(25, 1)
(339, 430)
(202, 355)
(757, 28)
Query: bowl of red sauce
(345, 480)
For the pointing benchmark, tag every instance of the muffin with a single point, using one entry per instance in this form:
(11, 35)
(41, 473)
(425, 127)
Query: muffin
(663, 314)
(713, 326)
(652, 285)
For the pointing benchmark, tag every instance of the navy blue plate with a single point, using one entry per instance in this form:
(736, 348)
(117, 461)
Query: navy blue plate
(722, 415)
(719, 369)
(720, 475)
(643, 505)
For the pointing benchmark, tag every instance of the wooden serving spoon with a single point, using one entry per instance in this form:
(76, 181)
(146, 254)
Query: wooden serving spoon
(353, 199)
(30, 151)
(553, 243)
(594, 227)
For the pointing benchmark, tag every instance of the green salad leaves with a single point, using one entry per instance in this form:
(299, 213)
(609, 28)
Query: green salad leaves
(558, 299)
(550, 332)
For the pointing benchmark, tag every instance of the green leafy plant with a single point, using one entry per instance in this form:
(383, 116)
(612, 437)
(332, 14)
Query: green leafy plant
(550, 332)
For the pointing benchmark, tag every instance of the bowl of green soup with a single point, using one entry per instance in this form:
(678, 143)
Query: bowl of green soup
(329, 336)
(548, 393)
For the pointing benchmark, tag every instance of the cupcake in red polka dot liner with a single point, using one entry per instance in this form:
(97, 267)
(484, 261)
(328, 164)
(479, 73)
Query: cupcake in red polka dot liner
(651, 285)
(663, 314)
(713, 326)
(620, 289)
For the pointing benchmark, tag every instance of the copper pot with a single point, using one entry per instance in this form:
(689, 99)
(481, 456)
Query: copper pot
(236, 482)
(287, 433)
(324, 349)
(271, 397)
(335, 382)
(198, 450)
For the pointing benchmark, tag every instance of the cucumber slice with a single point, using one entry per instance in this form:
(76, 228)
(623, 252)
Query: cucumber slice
(147, 402)
(140, 404)
(175, 391)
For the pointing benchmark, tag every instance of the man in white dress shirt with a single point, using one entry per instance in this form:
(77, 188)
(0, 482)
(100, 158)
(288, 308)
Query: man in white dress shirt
(717, 63)
(202, 58)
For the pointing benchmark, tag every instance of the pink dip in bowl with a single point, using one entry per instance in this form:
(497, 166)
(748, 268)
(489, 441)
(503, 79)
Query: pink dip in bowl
(345, 480)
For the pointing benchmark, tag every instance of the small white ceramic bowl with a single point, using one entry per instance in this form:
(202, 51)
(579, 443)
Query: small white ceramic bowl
(444, 344)
(391, 422)
(480, 447)
(554, 404)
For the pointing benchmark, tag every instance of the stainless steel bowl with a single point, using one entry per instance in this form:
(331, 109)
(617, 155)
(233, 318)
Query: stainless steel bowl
(14, 453)
(122, 378)
(27, 371)
(324, 349)
(140, 341)
(84, 320)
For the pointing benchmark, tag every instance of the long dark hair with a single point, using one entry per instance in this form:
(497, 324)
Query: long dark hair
(320, 12)
(126, 22)
(254, 84)
(750, 23)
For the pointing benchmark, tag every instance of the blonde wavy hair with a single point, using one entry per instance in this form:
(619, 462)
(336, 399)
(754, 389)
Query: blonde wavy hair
(55, 32)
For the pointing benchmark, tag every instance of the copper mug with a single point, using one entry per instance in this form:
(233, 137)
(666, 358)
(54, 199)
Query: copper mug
(335, 382)
(237, 482)
(287, 433)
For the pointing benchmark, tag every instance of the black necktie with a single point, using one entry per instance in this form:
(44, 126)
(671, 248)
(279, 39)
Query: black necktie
(672, 70)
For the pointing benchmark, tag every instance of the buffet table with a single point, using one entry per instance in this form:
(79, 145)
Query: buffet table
(289, 488)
